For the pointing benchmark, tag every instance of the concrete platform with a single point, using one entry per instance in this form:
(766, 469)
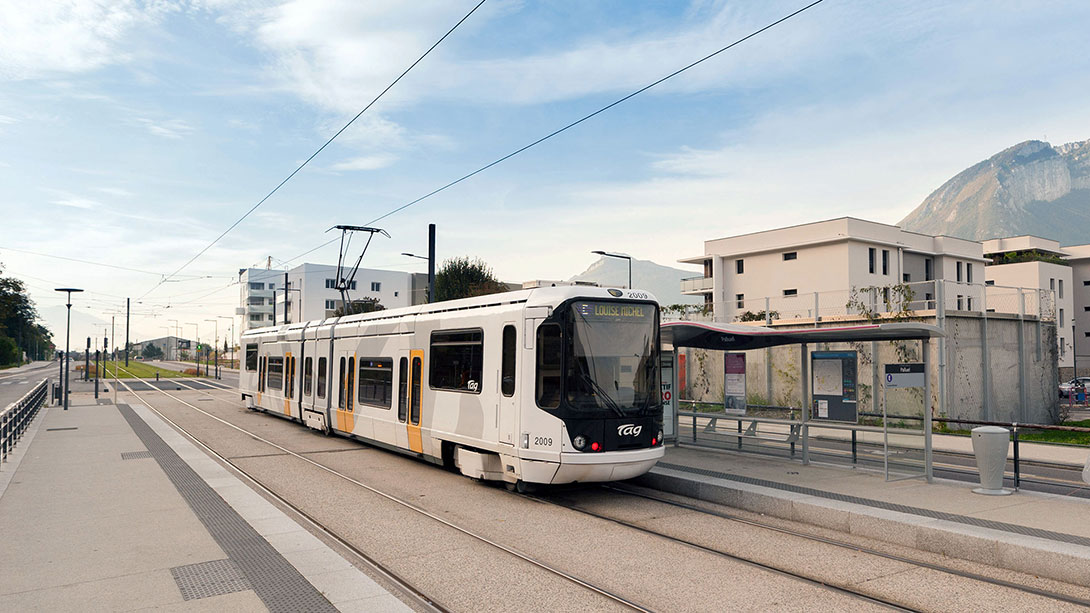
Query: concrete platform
(106, 507)
(1040, 534)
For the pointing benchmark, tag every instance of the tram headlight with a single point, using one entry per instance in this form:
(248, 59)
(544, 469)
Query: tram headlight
(659, 437)
(579, 442)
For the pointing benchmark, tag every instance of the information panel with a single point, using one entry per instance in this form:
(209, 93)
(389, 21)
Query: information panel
(833, 385)
(904, 375)
(734, 383)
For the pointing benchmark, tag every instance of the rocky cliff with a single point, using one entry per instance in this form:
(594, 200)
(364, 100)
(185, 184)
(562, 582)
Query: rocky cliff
(1030, 188)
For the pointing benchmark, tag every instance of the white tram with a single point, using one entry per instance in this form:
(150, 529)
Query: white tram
(549, 385)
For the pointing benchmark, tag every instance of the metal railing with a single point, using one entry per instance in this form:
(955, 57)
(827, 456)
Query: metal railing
(15, 419)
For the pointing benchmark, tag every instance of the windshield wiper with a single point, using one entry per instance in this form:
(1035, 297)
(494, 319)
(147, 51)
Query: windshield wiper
(603, 394)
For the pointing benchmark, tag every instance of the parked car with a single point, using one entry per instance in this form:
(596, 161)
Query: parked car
(1065, 388)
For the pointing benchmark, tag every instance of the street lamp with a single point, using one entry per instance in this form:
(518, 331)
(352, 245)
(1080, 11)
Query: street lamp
(215, 347)
(67, 335)
(622, 257)
(431, 273)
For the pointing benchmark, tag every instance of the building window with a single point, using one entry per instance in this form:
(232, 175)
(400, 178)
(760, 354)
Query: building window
(275, 373)
(1061, 318)
(959, 272)
(969, 273)
(969, 303)
(1061, 288)
(255, 317)
(740, 300)
(960, 301)
(1052, 284)
(791, 255)
(708, 269)
(330, 304)
(1086, 283)
(507, 361)
(457, 359)
(1086, 308)
(255, 301)
(331, 284)
(739, 266)
(321, 377)
(871, 253)
(928, 269)
(271, 318)
(352, 286)
(989, 282)
(395, 294)
(376, 286)
(906, 278)
(271, 286)
(376, 382)
(790, 292)
(927, 298)
(257, 286)
(1086, 334)
(885, 261)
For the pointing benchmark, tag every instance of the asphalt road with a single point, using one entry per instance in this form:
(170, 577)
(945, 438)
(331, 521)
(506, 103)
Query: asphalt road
(15, 382)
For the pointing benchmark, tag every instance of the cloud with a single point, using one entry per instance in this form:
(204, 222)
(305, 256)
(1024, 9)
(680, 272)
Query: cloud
(367, 162)
(43, 38)
(114, 191)
(77, 203)
(172, 128)
(5, 119)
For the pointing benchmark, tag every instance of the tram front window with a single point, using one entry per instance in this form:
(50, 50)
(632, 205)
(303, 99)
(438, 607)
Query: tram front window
(611, 358)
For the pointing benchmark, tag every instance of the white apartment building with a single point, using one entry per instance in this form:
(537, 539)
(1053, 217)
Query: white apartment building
(799, 266)
(312, 291)
(1079, 257)
(256, 290)
(1024, 261)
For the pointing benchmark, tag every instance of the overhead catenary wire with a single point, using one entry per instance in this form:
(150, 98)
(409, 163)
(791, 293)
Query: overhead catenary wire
(320, 149)
(597, 112)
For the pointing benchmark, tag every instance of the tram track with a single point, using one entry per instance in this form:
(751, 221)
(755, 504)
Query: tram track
(625, 490)
(404, 585)
(840, 589)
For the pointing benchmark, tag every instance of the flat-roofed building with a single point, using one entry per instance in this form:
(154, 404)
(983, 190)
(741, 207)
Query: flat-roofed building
(1079, 258)
(256, 294)
(1034, 262)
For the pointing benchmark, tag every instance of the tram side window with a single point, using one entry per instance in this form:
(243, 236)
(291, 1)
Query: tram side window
(350, 375)
(340, 377)
(308, 372)
(275, 373)
(549, 350)
(376, 382)
(261, 375)
(402, 388)
(289, 379)
(321, 377)
(251, 357)
(507, 369)
(457, 359)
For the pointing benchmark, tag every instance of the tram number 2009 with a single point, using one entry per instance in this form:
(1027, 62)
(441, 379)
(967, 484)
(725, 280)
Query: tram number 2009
(543, 441)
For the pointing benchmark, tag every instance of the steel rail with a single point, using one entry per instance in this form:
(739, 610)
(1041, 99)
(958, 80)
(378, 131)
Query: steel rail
(843, 545)
(514, 552)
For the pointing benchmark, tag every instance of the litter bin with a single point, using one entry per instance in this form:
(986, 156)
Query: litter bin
(990, 444)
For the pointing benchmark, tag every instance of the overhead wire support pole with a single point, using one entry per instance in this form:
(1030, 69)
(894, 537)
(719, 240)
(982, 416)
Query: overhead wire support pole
(320, 149)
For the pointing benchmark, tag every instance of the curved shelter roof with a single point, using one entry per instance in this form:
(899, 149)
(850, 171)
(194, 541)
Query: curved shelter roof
(737, 337)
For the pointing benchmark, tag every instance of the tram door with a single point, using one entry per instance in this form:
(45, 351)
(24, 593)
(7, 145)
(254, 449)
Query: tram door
(343, 407)
(401, 430)
(508, 405)
(416, 400)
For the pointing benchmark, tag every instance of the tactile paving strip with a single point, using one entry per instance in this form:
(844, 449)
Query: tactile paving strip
(206, 579)
(275, 581)
(135, 455)
(1073, 539)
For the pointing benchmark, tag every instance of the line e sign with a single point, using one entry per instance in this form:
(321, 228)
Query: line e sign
(904, 375)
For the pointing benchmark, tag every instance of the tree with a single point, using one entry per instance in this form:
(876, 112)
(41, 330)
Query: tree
(363, 305)
(464, 278)
(152, 352)
(9, 352)
(18, 321)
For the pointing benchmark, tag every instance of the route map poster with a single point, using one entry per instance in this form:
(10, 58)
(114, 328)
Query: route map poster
(833, 386)
(734, 383)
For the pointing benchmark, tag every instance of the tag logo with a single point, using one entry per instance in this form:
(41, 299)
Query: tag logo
(629, 430)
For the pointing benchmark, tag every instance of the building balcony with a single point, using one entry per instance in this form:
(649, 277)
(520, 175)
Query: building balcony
(694, 286)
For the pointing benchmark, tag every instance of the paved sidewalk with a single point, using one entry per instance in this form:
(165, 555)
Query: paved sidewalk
(109, 508)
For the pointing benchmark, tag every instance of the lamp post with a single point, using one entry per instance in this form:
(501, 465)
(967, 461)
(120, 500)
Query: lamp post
(197, 334)
(431, 273)
(67, 336)
(215, 347)
(232, 333)
(176, 338)
(620, 257)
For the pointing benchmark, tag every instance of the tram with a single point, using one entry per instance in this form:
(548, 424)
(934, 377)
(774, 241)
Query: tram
(547, 385)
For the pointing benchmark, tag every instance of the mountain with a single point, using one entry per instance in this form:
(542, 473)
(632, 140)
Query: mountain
(1030, 188)
(662, 281)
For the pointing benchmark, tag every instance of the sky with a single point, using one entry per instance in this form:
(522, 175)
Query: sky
(134, 133)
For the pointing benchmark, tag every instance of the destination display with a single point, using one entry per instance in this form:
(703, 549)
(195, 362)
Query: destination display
(612, 311)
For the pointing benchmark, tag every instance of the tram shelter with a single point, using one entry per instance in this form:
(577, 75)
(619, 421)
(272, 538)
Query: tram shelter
(729, 337)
